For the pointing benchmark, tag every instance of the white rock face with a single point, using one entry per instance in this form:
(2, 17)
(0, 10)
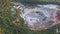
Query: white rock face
(41, 17)
(51, 6)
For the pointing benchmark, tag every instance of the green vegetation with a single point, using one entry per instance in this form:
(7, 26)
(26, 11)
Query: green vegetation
(39, 1)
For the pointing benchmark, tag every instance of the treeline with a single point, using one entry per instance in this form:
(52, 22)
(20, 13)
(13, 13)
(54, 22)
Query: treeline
(39, 1)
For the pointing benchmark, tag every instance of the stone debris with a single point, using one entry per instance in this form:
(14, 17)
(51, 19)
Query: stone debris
(41, 16)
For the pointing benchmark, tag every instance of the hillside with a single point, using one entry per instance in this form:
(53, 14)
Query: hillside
(11, 23)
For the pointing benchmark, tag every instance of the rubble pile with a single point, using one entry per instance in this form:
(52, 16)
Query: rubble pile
(40, 16)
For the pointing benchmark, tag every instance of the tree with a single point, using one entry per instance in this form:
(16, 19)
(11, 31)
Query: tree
(6, 19)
